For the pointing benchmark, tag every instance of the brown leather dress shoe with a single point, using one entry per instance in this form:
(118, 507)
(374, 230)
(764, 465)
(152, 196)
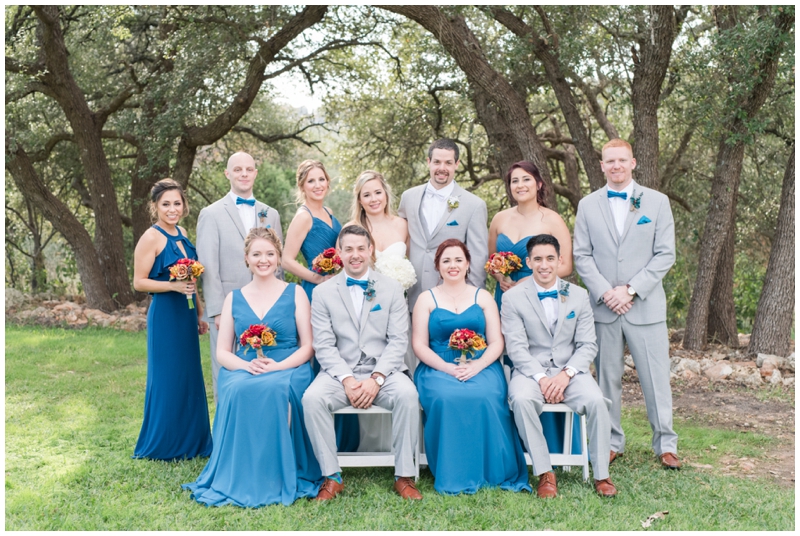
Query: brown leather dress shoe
(605, 487)
(670, 461)
(547, 488)
(405, 487)
(329, 490)
(613, 456)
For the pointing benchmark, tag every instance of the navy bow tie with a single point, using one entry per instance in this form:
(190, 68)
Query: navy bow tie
(360, 282)
(612, 193)
(549, 294)
(240, 201)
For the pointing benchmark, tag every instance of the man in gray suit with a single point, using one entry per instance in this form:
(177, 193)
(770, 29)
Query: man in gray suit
(624, 246)
(441, 209)
(360, 323)
(549, 331)
(221, 230)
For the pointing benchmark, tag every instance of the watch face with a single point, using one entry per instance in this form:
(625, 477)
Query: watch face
(379, 380)
(631, 291)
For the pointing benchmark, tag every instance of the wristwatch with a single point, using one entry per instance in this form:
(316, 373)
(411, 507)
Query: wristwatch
(570, 372)
(631, 292)
(379, 379)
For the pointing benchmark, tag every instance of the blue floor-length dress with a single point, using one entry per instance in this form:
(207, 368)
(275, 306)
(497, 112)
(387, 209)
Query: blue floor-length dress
(470, 438)
(262, 453)
(320, 237)
(552, 423)
(175, 424)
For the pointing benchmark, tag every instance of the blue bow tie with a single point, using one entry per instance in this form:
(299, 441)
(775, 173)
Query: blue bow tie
(549, 294)
(240, 201)
(622, 195)
(360, 282)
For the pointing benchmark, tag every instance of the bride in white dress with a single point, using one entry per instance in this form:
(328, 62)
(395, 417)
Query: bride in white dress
(373, 209)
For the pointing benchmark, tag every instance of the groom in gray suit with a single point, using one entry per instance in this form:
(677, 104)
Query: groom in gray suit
(221, 230)
(624, 246)
(441, 209)
(360, 323)
(549, 331)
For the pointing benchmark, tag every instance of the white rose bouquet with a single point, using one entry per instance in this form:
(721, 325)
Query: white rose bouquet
(398, 268)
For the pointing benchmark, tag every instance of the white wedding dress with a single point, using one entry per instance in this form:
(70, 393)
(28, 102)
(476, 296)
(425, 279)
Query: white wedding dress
(396, 249)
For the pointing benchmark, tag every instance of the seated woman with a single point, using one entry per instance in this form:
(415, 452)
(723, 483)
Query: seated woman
(262, 454)
(470, 438)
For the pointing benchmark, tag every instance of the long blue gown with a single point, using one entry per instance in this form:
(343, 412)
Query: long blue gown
(470, 438)
(175, 424)
(262, 453)
(320, 237)
(552, 423)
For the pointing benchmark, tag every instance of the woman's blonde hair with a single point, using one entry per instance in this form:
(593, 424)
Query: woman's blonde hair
(267, 234)
(357, 213)
(158, 189)
(303, 170)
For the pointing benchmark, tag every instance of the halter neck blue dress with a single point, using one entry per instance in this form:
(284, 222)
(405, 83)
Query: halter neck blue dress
(262, 453)
(175, 424)
(470, 438)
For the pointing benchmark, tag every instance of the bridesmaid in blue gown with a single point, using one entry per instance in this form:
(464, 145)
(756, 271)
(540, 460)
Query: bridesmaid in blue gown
(510, 230)
(313, 230)
(262, 453)
(471, 441)
(175, 424)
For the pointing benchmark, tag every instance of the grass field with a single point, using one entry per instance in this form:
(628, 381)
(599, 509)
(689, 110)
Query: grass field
(74, 404)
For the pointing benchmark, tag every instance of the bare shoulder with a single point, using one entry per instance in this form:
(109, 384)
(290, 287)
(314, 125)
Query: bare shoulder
(501, 216)
(424, 303)
(485, 299)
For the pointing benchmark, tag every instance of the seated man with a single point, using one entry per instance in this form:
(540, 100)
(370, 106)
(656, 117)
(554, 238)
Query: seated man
(359, 320)
(549, 331)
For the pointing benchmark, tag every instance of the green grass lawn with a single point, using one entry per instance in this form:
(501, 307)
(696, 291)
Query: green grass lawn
(74, 404)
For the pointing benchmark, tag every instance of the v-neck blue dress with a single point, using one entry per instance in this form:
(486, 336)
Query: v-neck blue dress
(320, 237)
(262, 453)
(470, 438)
(175, 424)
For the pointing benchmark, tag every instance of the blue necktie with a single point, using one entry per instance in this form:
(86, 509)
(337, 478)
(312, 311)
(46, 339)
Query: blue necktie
(623, 195)
(360, 282)
(240, 201)
(549, 294)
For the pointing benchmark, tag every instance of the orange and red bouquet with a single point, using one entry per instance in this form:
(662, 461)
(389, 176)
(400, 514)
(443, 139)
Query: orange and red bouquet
(504, 263)
(327, 262)
(467, 342)
(258, 335)
(186, 270)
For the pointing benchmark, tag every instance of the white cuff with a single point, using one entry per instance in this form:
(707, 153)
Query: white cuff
(343, 378)
(537, 377)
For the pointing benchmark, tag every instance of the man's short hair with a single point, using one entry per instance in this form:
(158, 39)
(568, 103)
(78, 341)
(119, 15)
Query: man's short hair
(543, 240)
(354, 230)
(617, 142)
(443, 143)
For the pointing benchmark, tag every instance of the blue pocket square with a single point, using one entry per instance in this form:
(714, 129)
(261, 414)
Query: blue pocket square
(571, 315)
(643, 220)
(452, 223)
(376, 308)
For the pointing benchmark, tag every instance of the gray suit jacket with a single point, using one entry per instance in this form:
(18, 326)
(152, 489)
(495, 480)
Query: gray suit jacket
(467, 223)
(641, 257)
(340, 339)
(220, 249)
(529, 343)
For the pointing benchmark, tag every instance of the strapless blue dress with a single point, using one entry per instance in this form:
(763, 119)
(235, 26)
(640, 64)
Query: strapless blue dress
(262, 453)
(552, 423)
(175, 423)
(470, 438)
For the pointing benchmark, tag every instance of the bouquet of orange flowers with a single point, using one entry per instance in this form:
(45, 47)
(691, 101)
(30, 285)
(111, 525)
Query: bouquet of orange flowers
(186, 270)
(467, 342)
(504, 263)
(327, 262)
(258, 335)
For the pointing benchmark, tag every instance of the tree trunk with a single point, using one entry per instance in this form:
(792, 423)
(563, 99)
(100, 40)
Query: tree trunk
(89, 269)
(459, 41)
(38, 270)
(722, 310)
(772, 328)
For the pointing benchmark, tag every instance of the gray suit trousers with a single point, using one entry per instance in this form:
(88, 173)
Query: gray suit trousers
(398, 394)
(583, 396)
(649, 346)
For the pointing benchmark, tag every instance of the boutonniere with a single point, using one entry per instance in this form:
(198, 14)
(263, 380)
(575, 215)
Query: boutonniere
(636, 201)
(262, 216)
(564, 291)
(369, 292)
(452, 202)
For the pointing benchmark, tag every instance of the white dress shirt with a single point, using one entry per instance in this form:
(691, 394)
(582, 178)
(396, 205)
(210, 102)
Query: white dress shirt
(434, 203)
(357, 295)
(620, 207)
(246, 213)
(550, 307)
